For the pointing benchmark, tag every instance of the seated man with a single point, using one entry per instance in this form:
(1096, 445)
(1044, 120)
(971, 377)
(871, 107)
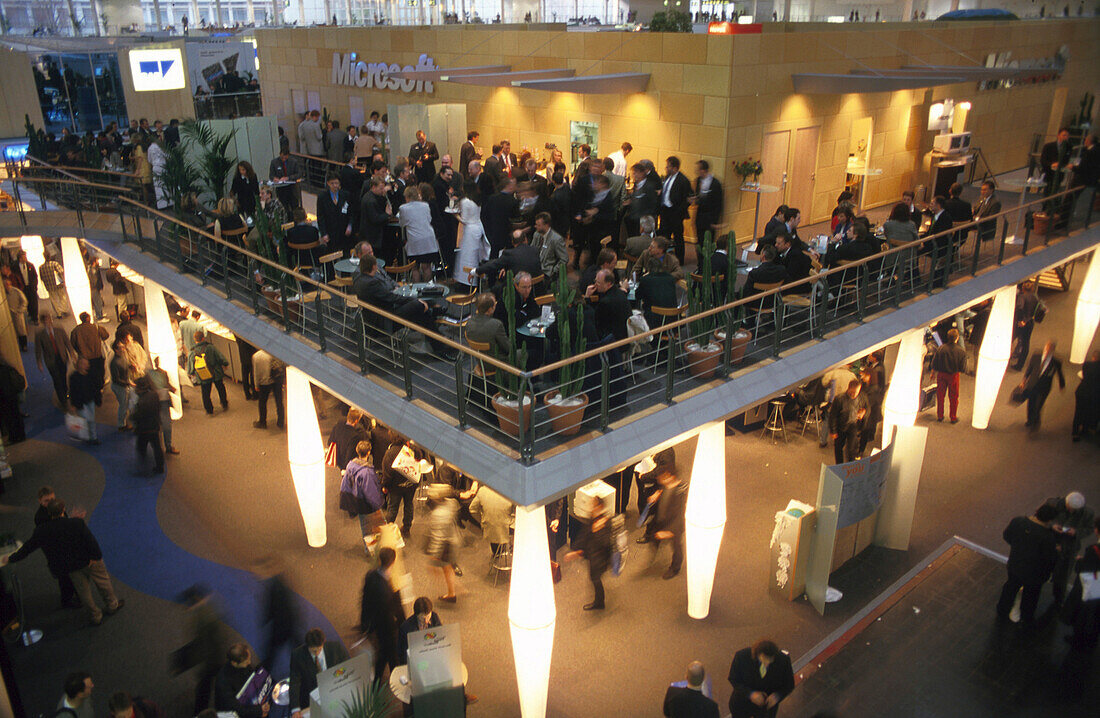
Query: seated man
(521, 258)
(769, 271)
(377, 288)
(637, 246)
(720, 266)
(861, 246)
(657, 259)
(795, 261)
(656, 289)
(483, 327)
(606, 259)
(526, 307)
(306, 661)
(612, 307)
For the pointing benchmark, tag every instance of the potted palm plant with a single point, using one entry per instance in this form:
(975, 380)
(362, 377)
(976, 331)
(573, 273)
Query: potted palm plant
(508, 402)
(212, 159)
(370, 701)
(566, 405)
(703, 354)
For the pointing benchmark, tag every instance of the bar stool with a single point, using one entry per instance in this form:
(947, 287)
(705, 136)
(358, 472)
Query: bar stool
(774, 423)
(501, 562)
(810, 415)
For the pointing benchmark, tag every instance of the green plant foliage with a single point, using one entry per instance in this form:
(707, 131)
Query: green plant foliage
(178, 177)
(571, 341)
(213, 163)
(370, 701)
(670, 21)
(270, 245)
(517, 356)
(702, 295)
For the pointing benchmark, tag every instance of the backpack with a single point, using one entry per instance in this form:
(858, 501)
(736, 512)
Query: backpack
(202, 371)
(1040, 312)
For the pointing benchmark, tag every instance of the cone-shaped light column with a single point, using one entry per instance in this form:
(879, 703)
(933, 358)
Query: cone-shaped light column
(902, 401)
(1088, 312)
(993, 356)
(76, 278)
(706, 517)
(531, 611)
(36, 255)
(162, 341)
(307, 455)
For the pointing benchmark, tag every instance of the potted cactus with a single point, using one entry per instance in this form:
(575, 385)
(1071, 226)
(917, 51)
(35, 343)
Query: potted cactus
(507, 402)
(703, 354)
(741, 337)
(566, 405)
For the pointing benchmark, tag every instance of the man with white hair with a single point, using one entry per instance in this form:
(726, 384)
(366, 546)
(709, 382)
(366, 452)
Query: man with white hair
(687, 699)
(1072, 523)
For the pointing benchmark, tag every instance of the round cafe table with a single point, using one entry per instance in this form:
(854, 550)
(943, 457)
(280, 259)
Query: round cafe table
(415, 289)
(534, 329)
(402, 686)
(351, 266)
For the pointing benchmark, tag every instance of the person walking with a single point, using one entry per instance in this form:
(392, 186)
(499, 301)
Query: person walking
(948, 362)
(1039, 380)
(667, 522)
(268, 373)
(52, 351)
(87, 339)
(164, 390)
(361, 491)
(381, 612)
(594, 544)
(846, 418)
(82, 398)
(1023, 323)
(146, 418)
(122, 384)
(761, 677)
(1032, 554)
(72, 549)
(443, 538)
(206, 367)
(17, 305)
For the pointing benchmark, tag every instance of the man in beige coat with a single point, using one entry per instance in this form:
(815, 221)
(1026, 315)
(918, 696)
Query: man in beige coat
(496, 515)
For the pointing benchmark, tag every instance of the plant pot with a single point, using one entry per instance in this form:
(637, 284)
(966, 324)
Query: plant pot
(703, 361)
(741, 339)
(508, 414)
(1040, 222)
(566, 418)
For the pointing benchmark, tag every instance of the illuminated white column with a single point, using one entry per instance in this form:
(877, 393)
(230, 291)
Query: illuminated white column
(1088, 312)
(531, 611)
(36, 255)
(706, 516)
(307, 455)
(902, 401)
(162, 341)
(76, 278)
(993, 356)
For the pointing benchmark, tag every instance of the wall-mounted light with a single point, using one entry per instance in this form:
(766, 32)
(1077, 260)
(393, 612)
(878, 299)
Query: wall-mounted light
(532, 614)
(993, 356)
(306, 454)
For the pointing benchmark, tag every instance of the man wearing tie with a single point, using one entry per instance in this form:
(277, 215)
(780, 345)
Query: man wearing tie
(987, 206)
(334, 215)
(423, 156)
(508, 160)
(673, 207)
(306, 662)
(468, 153)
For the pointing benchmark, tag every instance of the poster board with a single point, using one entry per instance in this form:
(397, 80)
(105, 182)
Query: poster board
(338, 685)
(435, 659)
(210, 62)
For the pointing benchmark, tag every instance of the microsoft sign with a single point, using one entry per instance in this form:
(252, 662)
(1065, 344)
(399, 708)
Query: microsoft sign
(349, 70)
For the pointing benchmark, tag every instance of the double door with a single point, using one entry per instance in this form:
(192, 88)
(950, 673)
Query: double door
(789, 158)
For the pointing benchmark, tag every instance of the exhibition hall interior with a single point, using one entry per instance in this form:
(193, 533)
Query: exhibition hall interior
(365, 359)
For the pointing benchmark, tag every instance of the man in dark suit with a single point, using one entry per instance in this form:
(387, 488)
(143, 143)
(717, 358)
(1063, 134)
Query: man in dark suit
(612, 307)
(791, 219)
(916, 215)
(381, 612)
(375, 287)
(285, 168)
(52, 351)
(672, 209)
(941, 245)
(422, 156)
(72, 550)
(761, 677)
(601, 216)
(561, 200)
(526, 307)
(374, 213)
(509, 165)
(497, 212)
(485, 328)
(422, 619)
(960, 212)
(797, 264)
(1038, 381)
(522, 257)
(468, 153)
(351, 181)
(1055, 160)
(708, 201)
(306, 661)
(542, 187)
(987, 206)
(643, 199)
(668, 519)
(1033, 553)
(688, 701)
(1086, 174)
(334, 216)
(720, 265)
(768, 271)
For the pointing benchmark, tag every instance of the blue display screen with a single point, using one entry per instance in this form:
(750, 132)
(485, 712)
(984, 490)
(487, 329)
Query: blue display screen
(16, 153)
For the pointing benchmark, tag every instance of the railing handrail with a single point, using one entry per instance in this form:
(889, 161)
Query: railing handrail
(315, 158)
(84, 182)
(46, 165)
(616, 344)
(786, 288)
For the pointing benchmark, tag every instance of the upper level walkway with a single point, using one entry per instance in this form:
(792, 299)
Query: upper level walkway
(636, 403)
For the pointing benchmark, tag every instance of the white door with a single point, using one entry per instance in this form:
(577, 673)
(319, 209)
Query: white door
(803, 171)
(773, 156)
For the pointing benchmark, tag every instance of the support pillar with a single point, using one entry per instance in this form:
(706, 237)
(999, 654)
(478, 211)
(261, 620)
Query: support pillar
(1087, 315)
(306, 454)
(993, 356)
(902, 401)
(531, 611)
(705, 517)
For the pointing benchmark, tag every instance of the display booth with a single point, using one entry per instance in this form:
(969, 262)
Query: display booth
(338, 685)
(863, 502)
(434, 679)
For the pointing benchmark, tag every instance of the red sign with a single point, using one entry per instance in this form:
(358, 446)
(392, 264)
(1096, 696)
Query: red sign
(732, 28)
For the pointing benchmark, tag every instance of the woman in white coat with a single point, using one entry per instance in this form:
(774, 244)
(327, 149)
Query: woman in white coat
(415, 216)
(472, 248)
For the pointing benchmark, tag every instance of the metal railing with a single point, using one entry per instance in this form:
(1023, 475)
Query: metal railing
(622, 379)
(315, 170)
(227, 105)
(35, 167)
